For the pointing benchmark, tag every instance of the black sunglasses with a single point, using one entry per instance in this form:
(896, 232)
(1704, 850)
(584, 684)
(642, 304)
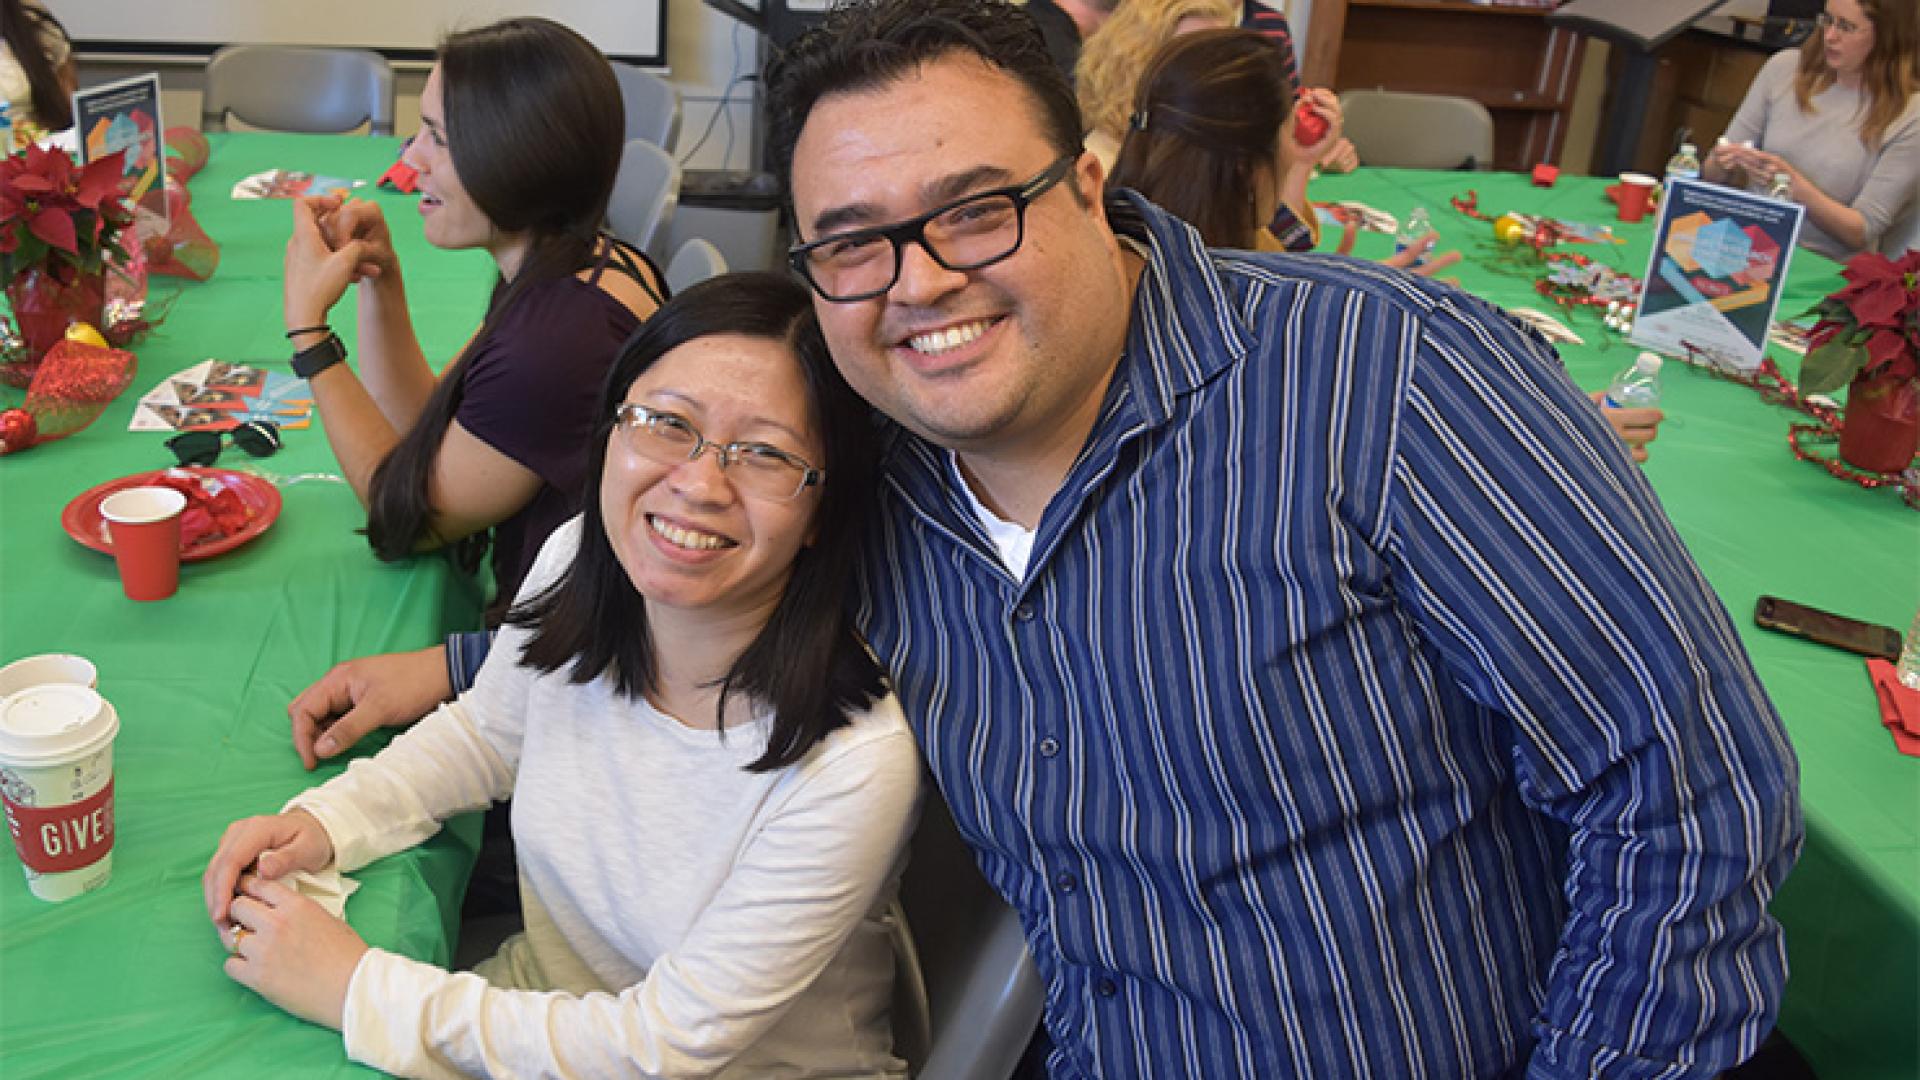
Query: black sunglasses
(257, 437)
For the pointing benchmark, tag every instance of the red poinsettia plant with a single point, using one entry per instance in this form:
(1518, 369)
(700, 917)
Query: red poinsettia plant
(62, 217)
(1871, 327)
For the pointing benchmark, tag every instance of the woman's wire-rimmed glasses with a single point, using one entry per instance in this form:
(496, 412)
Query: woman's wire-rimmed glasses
(966, 234)
(259, 438)
(755, 468)
(1826, 20)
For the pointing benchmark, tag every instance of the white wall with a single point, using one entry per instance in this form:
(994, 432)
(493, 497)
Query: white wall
(704, 49)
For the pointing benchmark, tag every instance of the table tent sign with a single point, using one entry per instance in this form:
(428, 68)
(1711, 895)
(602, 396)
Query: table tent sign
(1719, 261)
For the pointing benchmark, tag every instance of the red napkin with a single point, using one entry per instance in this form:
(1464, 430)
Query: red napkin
(1899, 706)
(210, 514)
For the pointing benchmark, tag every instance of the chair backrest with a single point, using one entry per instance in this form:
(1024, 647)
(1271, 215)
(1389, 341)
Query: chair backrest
(1418, 131)
(966, 997)
(696, 261)
(295, 88)
(652, 105)
(644, 195)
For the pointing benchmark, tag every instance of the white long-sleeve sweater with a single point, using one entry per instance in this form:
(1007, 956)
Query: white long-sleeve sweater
(684, 917)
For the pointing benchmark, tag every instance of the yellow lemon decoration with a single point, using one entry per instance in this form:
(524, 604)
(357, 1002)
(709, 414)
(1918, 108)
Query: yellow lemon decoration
(85, 334)
(1509, 229)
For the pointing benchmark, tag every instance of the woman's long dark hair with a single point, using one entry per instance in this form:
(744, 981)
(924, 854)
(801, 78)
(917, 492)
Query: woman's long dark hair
(1206, 127)
(807, 663)
(534, 124)
(25, 30)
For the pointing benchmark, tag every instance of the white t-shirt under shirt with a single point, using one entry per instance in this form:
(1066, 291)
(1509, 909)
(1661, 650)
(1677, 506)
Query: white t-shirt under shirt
(1011, 539)
(1882, 181)
(684, 917)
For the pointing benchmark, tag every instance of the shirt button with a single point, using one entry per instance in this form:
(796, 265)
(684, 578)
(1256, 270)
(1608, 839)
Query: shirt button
(1024, 613)
(1106, 988)
(1066, 882)
(1049, 746)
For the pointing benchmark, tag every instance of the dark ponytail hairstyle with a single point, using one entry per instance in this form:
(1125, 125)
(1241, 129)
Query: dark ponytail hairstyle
(534, 124)
(1205, 127)
(808, 664)
(25, 30)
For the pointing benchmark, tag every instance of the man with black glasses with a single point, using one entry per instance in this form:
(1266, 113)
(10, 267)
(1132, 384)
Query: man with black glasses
(1304, 659)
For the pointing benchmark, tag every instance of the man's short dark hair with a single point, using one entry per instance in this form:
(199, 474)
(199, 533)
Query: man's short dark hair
(867, 44)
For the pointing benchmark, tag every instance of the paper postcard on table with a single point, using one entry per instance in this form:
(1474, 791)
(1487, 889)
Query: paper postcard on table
(1719, 259)
(125, 115)
(286, 184)
(214, 395)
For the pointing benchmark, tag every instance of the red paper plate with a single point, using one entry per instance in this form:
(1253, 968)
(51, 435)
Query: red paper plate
(83, 522)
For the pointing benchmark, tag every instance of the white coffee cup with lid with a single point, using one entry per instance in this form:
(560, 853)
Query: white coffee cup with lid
(56, 777)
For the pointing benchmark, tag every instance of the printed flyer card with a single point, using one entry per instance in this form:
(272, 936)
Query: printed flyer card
(214, 395)
(125, 115)
(1719, 259)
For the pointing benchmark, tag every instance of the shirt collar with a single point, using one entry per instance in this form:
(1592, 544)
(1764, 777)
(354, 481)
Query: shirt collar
(1184, 327)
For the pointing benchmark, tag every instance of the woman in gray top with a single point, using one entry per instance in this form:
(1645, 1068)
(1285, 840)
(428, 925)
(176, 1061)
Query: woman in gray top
(1841, 118)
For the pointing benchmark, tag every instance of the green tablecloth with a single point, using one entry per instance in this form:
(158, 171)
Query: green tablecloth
(128, 980)
(1759, 522)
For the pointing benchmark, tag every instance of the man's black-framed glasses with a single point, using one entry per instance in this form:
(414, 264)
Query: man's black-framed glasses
(259, 438)
(756, 469)
(966, 234)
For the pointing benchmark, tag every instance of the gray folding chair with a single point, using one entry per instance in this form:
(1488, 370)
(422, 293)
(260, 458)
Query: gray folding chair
(1418, 131)
(652, 105)
(294, 88)
(644, 195)
(966, 995)
(696, 261)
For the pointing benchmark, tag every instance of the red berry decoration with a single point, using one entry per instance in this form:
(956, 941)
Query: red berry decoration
(17, 430)
(1309, 127)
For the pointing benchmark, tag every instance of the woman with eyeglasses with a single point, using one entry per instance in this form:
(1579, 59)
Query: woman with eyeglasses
(712, 786)
(1841, 120)
(519, 142)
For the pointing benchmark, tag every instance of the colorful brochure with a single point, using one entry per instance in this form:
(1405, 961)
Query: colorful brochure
(214, 395)
(125, 115)
(1719, 259)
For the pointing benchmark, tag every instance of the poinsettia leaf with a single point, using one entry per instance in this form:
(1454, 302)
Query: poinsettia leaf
(1885, 347)
(1879, 304)
(56, 228)
(100, 179)
(1830, 367)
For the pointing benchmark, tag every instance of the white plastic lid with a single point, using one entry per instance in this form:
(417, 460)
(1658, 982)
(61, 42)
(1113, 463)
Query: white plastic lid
(1648, 363)
(54, 723)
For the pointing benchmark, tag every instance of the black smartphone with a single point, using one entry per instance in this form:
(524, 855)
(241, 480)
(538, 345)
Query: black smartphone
(1867, 639)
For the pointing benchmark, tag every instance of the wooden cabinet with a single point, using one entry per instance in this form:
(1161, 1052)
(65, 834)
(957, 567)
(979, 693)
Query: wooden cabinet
(1506, 58)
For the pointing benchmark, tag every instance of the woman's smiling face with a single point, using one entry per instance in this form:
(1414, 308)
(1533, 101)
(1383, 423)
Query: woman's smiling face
(687, 534)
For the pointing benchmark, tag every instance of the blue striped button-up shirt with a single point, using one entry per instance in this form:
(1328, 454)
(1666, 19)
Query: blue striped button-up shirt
(1359, 713)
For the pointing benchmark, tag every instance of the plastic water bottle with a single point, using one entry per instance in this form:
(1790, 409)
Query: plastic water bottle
(1638, 387)
(1417, 226)
(1685, 163)
(1909, 666)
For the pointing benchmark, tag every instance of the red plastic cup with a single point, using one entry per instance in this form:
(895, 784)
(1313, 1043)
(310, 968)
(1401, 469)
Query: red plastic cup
(1636, 194)
(144, 523)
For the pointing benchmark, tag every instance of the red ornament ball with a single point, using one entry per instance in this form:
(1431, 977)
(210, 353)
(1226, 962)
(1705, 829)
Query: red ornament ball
(17, 430)
(1309, 126)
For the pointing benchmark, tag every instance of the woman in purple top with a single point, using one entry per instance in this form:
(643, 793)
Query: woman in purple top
(520, 136)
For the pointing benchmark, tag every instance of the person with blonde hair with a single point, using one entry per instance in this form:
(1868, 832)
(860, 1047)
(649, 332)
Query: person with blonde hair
(1840, 118)
(1108, 75)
